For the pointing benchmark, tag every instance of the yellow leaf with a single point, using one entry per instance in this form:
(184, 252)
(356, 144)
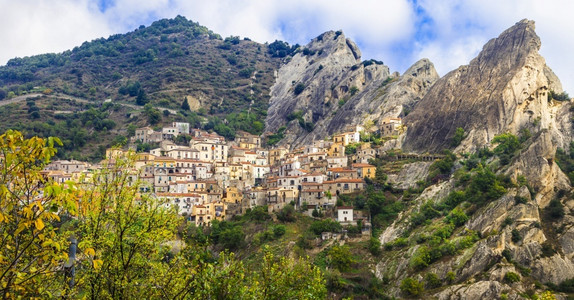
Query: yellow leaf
(98, 263)
(21, 227)
(90, 251)
(39, 224)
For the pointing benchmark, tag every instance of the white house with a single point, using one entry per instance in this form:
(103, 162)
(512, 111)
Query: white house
(345, 214)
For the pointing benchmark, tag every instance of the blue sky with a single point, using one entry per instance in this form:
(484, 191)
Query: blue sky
(398, 32)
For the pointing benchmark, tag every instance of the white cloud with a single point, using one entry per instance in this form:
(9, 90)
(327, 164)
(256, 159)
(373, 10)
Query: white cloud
(452, 34)
(34, 27)
(464, 26)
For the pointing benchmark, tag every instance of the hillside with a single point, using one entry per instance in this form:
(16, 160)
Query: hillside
(225, 81)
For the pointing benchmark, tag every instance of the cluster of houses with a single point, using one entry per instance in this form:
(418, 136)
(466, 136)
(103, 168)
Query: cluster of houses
(210, 178)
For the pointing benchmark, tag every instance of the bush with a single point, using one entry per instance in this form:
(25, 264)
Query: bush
(507, 146)
(558, 96)
(432, 280)
(450, 277)
(341, 258)
(411, 287)
(555, 209)
(516, 237)
(547, 249)
(507, 254)
(458, 137)
(457, 217)
(327, 225)
(566, 286)
(258, 214)
(511, 277)
(299, 88)
(374, 246)
(232, 238)
(421, 259)
(444, 232)
(287, 214)
(279, 230)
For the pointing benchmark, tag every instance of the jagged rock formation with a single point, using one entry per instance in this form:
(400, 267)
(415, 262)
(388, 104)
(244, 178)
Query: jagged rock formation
(504, 89)
(340, 90)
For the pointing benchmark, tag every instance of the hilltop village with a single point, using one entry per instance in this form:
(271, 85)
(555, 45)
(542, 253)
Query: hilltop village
(209, 178)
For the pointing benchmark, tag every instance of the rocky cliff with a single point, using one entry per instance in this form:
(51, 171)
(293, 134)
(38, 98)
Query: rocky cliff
(331, 88)
(503, 90)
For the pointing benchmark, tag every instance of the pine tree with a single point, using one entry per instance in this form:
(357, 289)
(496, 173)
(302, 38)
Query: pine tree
(185, 105)
(142, 98)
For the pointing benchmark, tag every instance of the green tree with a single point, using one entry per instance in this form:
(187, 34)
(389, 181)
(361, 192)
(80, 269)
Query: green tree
(374, 246)
(30, 209)
(153, 114)
(142, 97)
(340, 257)
(508, 145)
(459, 135)
(287, 214)
(299, 88)
(121, 233)
(411, 287)
(185, 104)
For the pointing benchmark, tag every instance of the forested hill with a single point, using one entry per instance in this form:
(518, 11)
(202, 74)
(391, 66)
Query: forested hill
(165, 64)
(170, 59)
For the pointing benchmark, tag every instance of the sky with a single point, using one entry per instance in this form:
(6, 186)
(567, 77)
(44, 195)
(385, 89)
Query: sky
(398, 32)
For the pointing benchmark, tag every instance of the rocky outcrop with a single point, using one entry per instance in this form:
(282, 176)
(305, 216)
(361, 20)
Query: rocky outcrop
(504, 89)
(339, 90)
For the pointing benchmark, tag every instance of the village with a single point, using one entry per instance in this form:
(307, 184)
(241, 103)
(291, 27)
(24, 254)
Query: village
(211, 178)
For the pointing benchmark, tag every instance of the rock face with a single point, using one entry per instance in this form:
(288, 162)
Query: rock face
(504, 89)
(340, 90)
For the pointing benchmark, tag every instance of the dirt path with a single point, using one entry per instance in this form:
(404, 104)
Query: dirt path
(62, 96)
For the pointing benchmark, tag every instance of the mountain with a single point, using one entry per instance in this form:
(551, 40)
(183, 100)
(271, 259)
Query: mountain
(328, 88)
(501, 115)
(478, 199)
(169, 60)
(226, 83)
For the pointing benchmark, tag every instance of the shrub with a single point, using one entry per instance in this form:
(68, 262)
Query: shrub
(299, 88)
(432, 280)
(444, 232)
(507, 146)
(258, 214)
(458, 137)
(457, 217)
(279, 230)
(327, 225)
(547, 249)
(341, 258)
(287, 214)
(558, 96)
(411, 287)
(566, 286)
(555, 209)
(450, 277)
(374, 246)
(507, 222)
(507, 254)
(520, 200)
(511, 277)
(421, 259)
(516, 237)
